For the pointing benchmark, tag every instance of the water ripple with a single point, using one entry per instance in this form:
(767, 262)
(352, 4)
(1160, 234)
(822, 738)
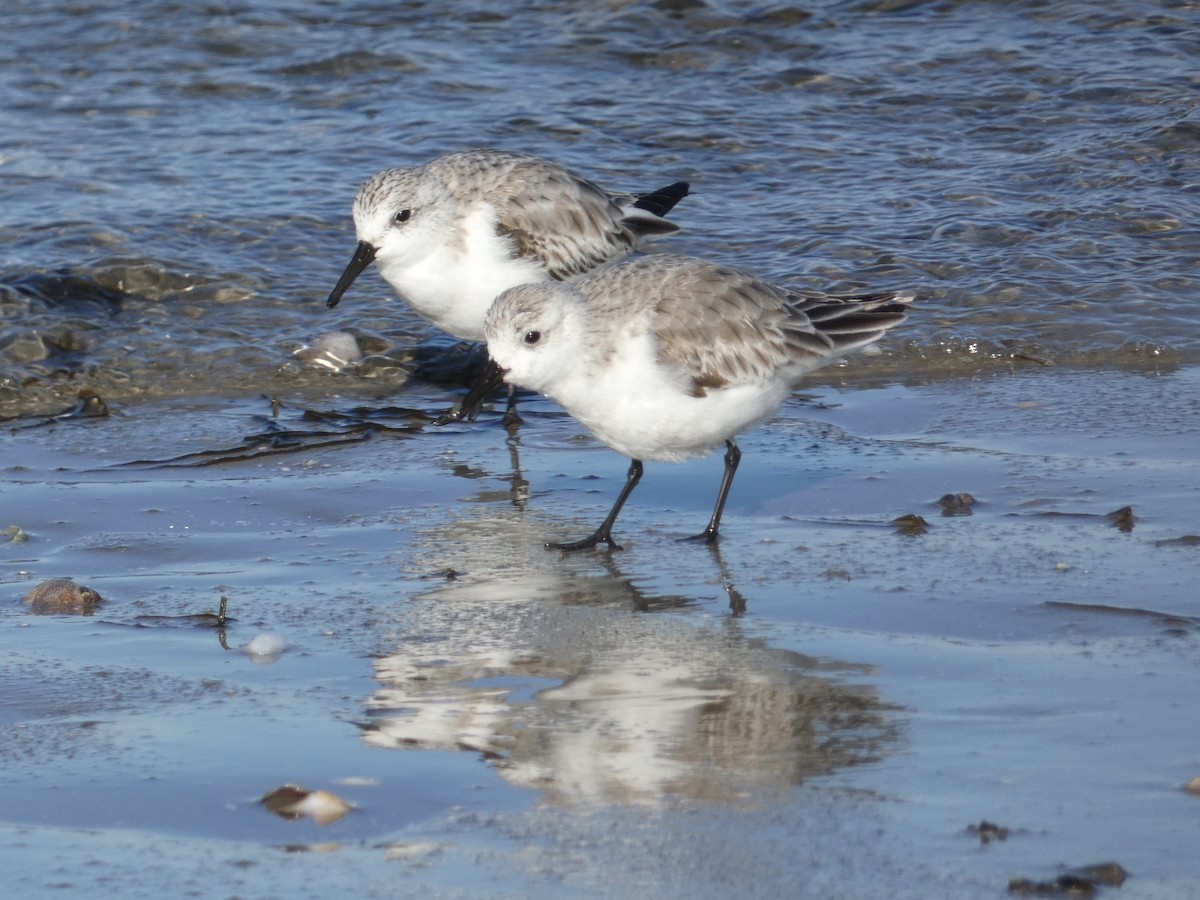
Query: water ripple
(1029, 169)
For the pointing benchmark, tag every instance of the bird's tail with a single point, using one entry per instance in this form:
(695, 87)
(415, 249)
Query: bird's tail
(662, 201)
(847, 322)
(644, 212)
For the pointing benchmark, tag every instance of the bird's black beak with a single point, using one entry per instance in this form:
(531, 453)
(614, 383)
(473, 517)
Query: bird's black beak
(364, 255)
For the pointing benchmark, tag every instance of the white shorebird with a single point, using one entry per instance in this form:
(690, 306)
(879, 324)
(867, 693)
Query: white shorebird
(452, 234)
(668, 357)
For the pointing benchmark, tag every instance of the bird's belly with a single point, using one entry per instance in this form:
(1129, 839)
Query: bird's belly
(643, 425)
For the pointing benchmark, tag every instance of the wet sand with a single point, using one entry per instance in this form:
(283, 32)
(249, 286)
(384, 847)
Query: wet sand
(822, 708)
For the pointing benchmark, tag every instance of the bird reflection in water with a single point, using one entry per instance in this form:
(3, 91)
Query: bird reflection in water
(561, 672)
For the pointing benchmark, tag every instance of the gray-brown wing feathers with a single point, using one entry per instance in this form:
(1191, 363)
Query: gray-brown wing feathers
(851, 321)
(723, 326)
(566, 222)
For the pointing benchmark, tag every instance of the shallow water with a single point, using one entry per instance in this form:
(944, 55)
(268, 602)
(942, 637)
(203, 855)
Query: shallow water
(177, 187)
(826, 704)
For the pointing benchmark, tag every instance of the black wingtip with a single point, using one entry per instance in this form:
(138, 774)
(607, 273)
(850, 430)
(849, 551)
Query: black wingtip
(663, 200)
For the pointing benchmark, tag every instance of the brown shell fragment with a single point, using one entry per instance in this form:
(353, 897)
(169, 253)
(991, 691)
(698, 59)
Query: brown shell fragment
(910, 525)
(988, 831)
(1083, 881)
(62, 596)
(959, 504)
(294, 802)
(1122, 519)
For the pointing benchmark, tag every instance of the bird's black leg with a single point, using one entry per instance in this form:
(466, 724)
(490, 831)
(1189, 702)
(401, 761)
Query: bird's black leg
(604, 532)
(512, 419)
(489, 380)
(733, 456)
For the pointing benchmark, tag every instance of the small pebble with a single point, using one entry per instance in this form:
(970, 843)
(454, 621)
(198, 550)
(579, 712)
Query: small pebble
(334, 350)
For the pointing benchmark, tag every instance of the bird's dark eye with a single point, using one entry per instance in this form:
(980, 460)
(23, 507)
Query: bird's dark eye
(401, 217)
(532, 337)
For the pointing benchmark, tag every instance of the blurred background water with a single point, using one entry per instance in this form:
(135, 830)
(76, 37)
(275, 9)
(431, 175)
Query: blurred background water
(177, 178)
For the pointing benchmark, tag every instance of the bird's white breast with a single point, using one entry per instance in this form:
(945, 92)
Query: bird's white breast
(645, 410)
(453, 285)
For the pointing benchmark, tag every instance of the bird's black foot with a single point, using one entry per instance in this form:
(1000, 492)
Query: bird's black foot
(604, 532)
(707, 536)
(600, 535)
(448, 418)
(464, 412)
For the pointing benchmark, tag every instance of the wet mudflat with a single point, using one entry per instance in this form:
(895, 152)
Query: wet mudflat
(828, 706)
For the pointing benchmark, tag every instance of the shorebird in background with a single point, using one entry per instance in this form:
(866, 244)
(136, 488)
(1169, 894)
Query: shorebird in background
(451, 235)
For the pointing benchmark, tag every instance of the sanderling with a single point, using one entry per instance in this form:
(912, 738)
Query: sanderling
(450, 235)
(668, 357)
